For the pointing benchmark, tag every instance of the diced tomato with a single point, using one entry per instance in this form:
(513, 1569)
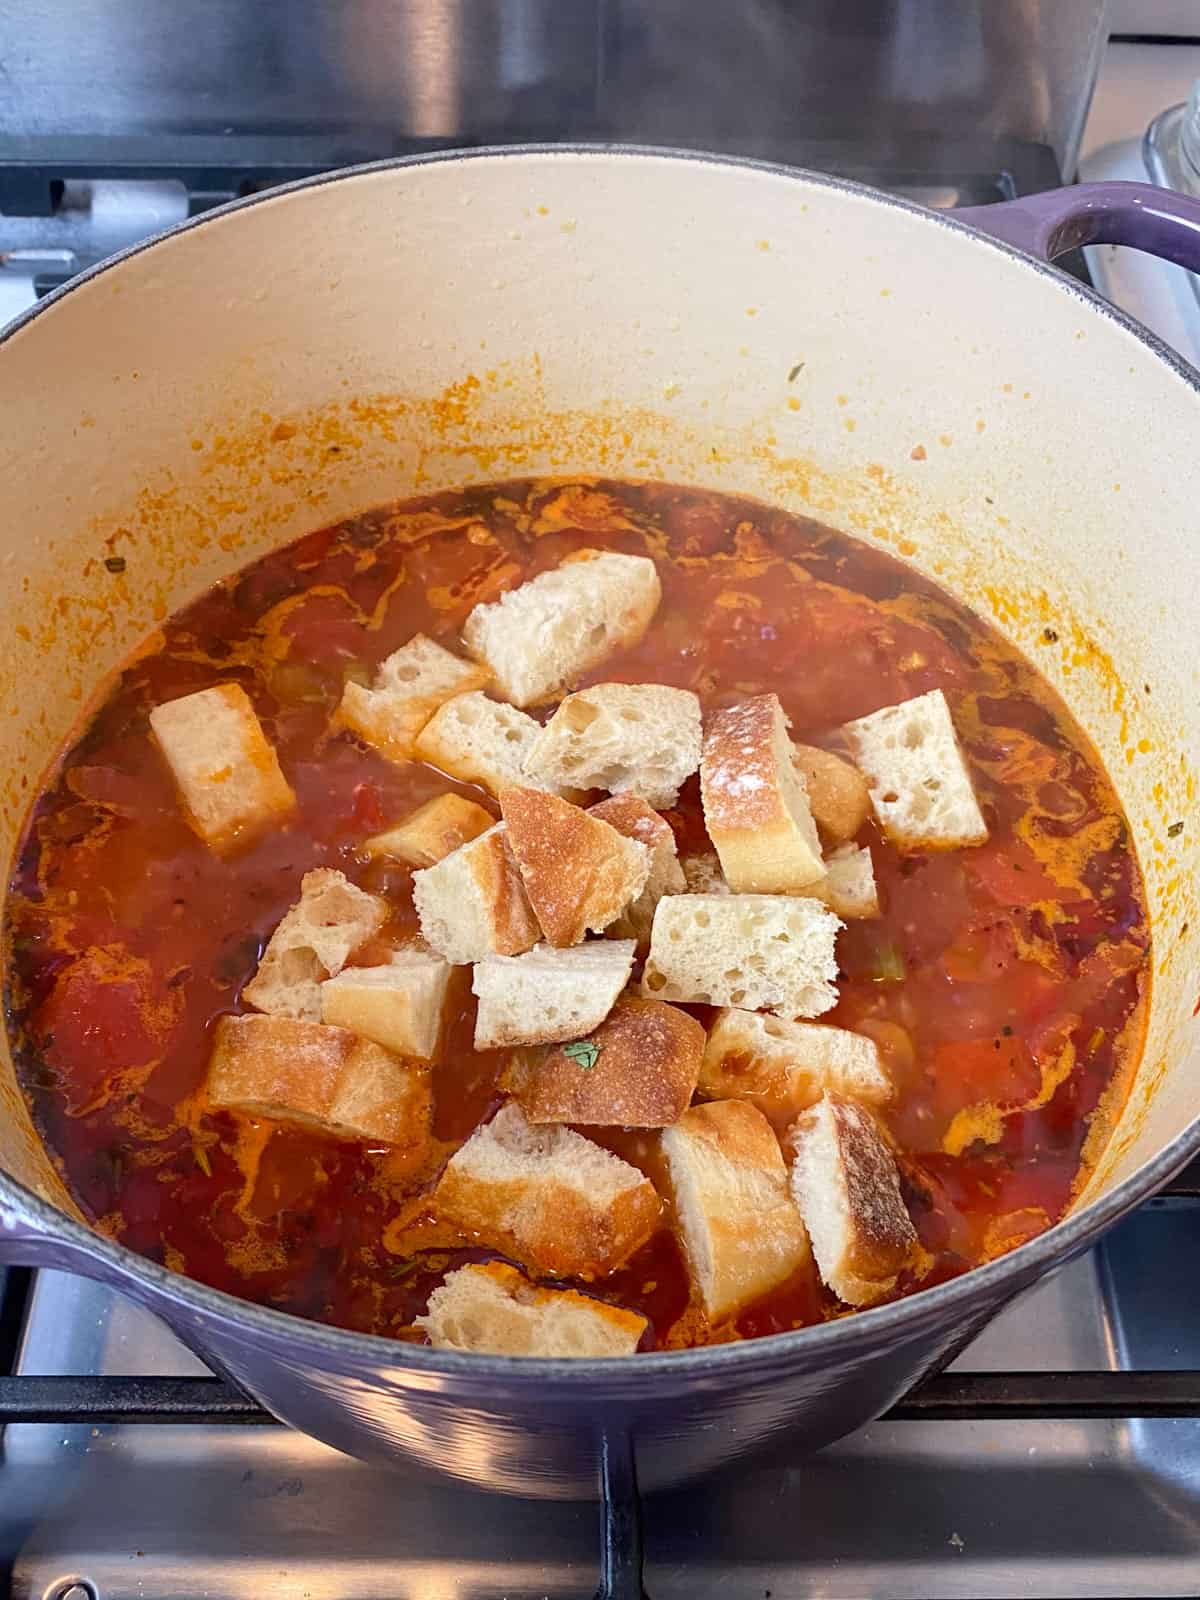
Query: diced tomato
(1000, 1070)
(100, 1019)
(367, 806)
(1011, 874)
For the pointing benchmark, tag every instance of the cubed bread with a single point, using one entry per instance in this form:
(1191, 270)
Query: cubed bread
(328, 1079)
(702, 874)
(918, 777)
(472, 903)
(847, 1186)
(226, 771)
(627, 738)
(399, 1005)
(494, 1309)
(761, 951)
(848, 887)
(755, 805)
(837, 792)
(783, 1067)
(479, 741)
(548, 994)
(541, 638)
(636, 820)
(742, 1233)
(547, 1197)
(580, 874)
(330, 921)
(637, 1069)
(432, 831)
(409, 687)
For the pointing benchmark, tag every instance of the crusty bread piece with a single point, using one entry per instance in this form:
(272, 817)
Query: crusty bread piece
(329, 922)
(847, 1185)
(628, 738)
(479, 741)
(783, 1067)
(837, 792)
(636, 820)
(548, 1197)
(546, 994)
(580, 874)
(919, 781)
(848, 887)
(761, 951)
(284, 1070)
(755, 805)
(399, 1005)
(431, 831)
(495, 1309)
(472, 903)
(637, 1069)
(702, 874)
(541, 638)
(742, 1233)
(409, 687)
(226, 771)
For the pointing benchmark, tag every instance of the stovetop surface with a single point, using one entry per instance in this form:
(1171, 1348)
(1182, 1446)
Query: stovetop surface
(907, 1510)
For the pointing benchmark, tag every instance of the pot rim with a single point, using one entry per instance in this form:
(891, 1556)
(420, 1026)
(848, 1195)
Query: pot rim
(842, 1338)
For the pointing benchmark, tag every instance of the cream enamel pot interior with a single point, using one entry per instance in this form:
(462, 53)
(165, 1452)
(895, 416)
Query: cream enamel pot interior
(322, 349)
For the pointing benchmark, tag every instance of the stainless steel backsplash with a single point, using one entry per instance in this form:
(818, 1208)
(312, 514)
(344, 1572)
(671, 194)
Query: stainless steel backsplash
(906, 77)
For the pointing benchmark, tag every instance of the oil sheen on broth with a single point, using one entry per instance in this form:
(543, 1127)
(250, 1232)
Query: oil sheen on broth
(1005, 985)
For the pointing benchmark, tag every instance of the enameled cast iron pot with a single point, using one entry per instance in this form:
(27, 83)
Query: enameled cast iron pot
(302, 356)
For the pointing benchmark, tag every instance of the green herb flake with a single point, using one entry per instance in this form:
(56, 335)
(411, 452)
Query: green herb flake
(796, 371)
(1175, 830)
(583, 1052)
(115, 563)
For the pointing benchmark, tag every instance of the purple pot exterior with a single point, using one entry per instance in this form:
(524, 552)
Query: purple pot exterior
(1140, 215)
(541, 1428)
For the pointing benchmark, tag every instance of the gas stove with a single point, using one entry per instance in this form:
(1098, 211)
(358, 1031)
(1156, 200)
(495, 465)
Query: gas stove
(1058, 1458)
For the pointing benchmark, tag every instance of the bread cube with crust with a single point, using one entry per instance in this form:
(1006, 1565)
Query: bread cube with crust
(547, 994)
(919, 781)
(637, 1069)
(547, 1197)
(847, 1185)
(755, 804)
(432, 831)
(539, 639)
(409, 687)
(331, 920)
(628, 738)
(742, 1233)
(398, 1006)
(783, 1067)
(837, 792)
(764, 952)
(580, 874)
(226, 771)
(848, 886)
(472, 903)
(636, 820)
(479, 740)
(495, 1309)
(327, 1079)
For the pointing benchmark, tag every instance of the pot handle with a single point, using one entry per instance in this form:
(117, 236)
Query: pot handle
(26, 1242)
(1141, 215)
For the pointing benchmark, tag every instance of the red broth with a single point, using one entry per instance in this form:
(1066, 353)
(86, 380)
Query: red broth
(1005, 985)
